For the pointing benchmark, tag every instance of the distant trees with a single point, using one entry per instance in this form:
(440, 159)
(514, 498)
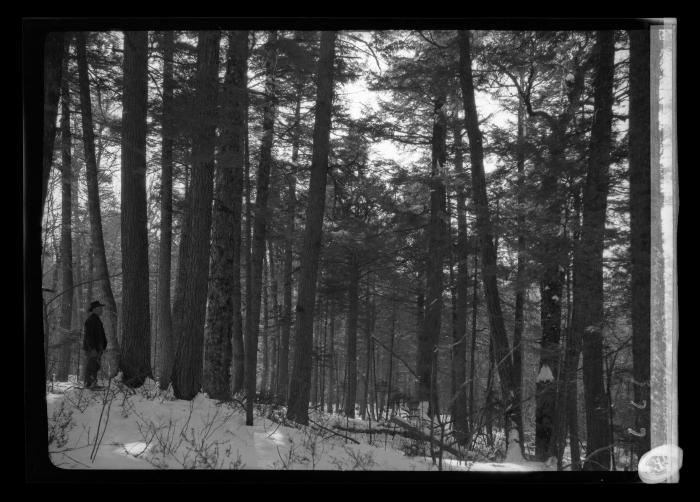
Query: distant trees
(101, 272)
(486, 246)
(260, 224)
(66, 224)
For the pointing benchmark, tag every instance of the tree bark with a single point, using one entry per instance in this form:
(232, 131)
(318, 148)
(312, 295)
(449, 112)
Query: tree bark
(640, 229)
(135, 361)
(165, 322)
(66, 228)
(101, 271)
(189, 310)
(488, 253)
(301, 373)
(223, 334)
(426, 366)
(260, 226)
(472, 349)
(588, 314)
(53, 69)
(274, 295)
(520, 286)
(265, 293)
(460, 424)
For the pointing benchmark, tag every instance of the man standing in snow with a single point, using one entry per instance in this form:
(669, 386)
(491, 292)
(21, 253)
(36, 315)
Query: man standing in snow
(94, 343)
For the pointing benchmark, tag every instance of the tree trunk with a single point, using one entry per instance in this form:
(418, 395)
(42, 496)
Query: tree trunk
(426, 366)
(472, 349)
(274, 293)
(520, 286)
(260, 226)
(420, 332)
(283, 371)
(331, 363)
(460, 425)
(351, 337)
(135, 361)
(488, 252)
(189, 310)
(588, 315)
(265, 293)
(551, 248)
(66, 229)
(101, 272)
(367, 346)
(223, 324)
(390, 374)
(53, 69)
(165, 323)
(301, 373)
(640, 229)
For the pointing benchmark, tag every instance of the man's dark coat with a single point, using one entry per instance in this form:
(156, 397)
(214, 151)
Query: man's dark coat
(95, 338)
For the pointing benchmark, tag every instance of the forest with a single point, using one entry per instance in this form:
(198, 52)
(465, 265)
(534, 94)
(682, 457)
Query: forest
(442, 233)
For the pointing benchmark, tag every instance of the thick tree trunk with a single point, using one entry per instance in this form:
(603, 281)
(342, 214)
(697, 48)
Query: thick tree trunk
(472, 348)
(260, 227)
(588, 317)
(223, 324)
(426, 366)
(165, 323)
(135, 361)
(552, 253)
(64, 358)
(520, 286)
(283, 371)
(488, 252)
(53, 69)
(101, 272)
(460, 424)
(351, 337)
(640, 229)
(301, 373)
(189, 309)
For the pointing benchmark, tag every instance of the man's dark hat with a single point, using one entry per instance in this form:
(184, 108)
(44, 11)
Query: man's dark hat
(95, 304)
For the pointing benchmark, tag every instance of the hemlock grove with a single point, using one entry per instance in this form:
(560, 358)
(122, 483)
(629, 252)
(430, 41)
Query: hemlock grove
(482, 282)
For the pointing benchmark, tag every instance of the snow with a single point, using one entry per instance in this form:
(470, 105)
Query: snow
(148, 428)
(545, 374)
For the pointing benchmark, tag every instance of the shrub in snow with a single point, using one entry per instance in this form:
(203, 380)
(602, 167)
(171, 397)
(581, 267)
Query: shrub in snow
(60, 424)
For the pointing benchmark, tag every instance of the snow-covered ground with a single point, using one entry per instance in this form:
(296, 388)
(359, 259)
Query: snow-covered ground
(117, 428)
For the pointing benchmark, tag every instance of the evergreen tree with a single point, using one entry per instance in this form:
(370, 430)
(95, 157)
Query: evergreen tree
(301, 373)
(135, 361)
